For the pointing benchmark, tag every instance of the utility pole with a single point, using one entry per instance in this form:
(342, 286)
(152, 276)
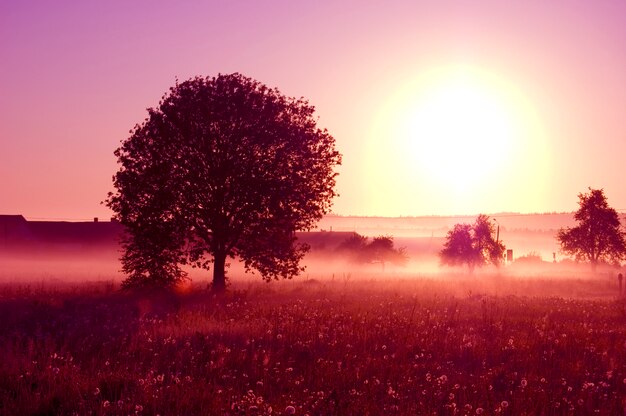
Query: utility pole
(498, 230)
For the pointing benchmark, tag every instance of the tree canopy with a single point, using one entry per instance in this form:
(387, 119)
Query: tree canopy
(223, 167)
(598, 235)
(473, 245)
(380, 250)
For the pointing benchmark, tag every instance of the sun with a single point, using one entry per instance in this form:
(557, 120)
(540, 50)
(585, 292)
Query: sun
(456, 140)
(458, 133)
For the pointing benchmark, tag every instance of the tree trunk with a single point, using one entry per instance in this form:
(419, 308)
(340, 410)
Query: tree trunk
(219, 273)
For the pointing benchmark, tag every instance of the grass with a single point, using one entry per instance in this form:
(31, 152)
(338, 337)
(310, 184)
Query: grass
(343, 347)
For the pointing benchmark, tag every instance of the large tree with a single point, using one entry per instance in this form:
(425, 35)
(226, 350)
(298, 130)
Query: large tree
(223, 167)
(473, 245)
(598, 235)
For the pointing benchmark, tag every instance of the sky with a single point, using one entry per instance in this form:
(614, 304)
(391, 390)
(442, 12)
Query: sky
(438, 107)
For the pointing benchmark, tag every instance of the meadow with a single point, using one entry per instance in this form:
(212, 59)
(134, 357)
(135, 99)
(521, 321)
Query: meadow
(375, 345)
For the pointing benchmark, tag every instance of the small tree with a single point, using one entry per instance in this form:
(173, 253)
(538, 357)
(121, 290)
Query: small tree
(598, 235)
(380, 250)
(223, 167)
(473, 245)
(489, 249)
(355, 248)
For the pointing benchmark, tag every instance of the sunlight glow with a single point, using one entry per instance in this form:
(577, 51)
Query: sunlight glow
(459, 139)
(458, 134)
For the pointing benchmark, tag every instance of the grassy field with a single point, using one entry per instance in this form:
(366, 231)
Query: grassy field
(344, 347)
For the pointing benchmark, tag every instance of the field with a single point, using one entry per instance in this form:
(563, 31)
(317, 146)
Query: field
(348, 346)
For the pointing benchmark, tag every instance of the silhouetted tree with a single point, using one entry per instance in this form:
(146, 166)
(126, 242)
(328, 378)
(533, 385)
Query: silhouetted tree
(354, 247)
(490, 250)
(380, 250)
(223, 167)
(598, 235)
(473, 245)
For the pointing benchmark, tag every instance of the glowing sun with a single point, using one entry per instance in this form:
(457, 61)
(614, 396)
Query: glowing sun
(459, 132)
(457, 139)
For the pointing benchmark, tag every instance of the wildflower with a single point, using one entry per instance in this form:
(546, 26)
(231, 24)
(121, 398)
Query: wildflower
(524, 382)
(290, 410)
(504, 404)
(96, 391)
(106, 404)
(480, 411)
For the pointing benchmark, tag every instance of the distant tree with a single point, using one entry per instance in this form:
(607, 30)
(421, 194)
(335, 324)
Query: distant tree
(473, 245)
(489, 249)
(531, 257)
(354, 247)
(380, 250)
(598, 235)
(223, 167)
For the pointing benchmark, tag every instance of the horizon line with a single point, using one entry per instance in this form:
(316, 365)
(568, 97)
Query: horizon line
(493, 215)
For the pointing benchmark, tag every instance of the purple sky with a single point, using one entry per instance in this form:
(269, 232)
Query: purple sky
(76, 76)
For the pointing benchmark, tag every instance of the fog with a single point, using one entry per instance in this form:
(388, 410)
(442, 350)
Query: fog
(54, 264)
(49, 254)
